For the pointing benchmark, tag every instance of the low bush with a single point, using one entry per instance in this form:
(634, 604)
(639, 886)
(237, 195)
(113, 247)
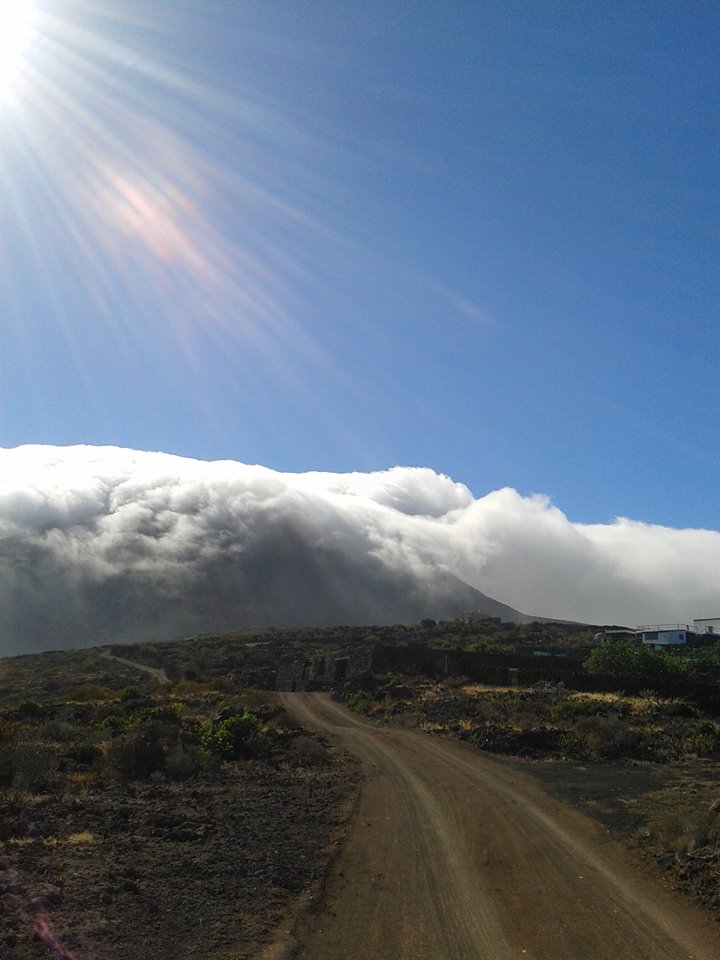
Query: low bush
(33, 764)
(169, 712)
(82, 754)
(142, 751)
(359, 701)
(396, 688)
(58, 730)
(628, 659)
(114, 722)
(598, 738)
(702, 737)
(570, 709)
(188, 686)
(8, 739)
(684, 828)
(88, 692)
(29, 708)
(230, 739)
(308, 751)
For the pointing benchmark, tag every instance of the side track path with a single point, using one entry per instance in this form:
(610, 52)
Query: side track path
(452, 856)
(156, 672)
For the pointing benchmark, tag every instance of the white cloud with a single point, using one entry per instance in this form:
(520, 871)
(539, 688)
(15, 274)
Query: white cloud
(100, 543)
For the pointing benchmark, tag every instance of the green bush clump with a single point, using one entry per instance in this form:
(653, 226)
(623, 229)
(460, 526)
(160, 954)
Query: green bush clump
(229, 738)
(188, 686)
(87, 692)
(114, 722)
(29, 708)
(626, 658)
(598, 738)
(569, 709)
(130, 693)
(359, 701)
(702, 737)
(167, 712)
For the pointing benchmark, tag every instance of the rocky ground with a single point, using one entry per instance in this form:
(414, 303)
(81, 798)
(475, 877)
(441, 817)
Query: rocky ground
(103, 857)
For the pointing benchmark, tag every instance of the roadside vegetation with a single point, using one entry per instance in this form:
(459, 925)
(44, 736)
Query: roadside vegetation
(646, 766)
(545, 720)
(626, 659)
(144, 820)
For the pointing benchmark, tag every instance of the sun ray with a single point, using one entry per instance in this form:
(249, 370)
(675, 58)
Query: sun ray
(109, 186)
(17, 21)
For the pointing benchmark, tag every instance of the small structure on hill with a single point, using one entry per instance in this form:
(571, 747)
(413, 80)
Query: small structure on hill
(610, 634)
(663, 635)
(327, 672)
(477, 616)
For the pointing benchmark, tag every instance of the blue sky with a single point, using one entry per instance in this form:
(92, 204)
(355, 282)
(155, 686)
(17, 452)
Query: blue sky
(479, 237)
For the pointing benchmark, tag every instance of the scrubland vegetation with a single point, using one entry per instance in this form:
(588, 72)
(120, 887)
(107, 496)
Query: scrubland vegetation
(142, 820)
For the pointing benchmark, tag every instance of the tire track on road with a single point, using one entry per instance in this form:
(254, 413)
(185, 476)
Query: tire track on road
(452, 856)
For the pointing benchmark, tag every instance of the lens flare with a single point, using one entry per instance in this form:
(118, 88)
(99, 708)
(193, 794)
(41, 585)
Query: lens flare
(17, 18)
(120, 172)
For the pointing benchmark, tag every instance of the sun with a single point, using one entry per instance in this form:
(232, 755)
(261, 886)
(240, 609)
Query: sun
(17, 19)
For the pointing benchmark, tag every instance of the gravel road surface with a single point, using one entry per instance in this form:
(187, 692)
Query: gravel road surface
(452, 855)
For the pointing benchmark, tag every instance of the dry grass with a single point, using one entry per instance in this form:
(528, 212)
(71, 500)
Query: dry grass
(70, 839)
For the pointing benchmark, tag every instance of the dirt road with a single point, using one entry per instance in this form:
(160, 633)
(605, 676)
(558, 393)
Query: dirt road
(453, 856)
(156, 672)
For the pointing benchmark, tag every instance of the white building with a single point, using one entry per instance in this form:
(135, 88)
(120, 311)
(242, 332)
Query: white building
(708, 625)
(664, 634)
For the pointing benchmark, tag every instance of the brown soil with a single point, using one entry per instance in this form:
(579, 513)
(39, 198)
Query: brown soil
(210, 867)
(458, 855)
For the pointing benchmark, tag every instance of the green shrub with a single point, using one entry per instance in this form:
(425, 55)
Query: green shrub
(359, 701)
(229, 738)
(702, 737)
(570, 709)
(29, 708)
(598, 738)
(169, 712)
(223, 684)
(627, 658)
(130, 693)
(87, 692)
(188, 687)
(315, 665)
(114, 722)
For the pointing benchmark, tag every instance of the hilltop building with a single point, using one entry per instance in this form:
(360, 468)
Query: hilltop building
(663, 635)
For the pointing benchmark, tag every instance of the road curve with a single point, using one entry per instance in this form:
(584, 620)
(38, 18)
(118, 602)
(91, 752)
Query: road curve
(452, 856)
(157, 672)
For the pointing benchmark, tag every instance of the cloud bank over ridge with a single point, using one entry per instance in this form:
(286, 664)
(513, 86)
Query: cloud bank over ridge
(101, 543)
